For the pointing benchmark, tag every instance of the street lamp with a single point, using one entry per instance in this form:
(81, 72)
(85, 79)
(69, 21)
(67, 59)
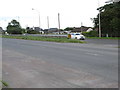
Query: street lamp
(39, 17)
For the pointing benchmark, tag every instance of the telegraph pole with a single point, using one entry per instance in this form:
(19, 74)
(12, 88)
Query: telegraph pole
(39, 22)
(81, 26)
(99, 20)
(59, 22)
(39, 17)
(48, 21)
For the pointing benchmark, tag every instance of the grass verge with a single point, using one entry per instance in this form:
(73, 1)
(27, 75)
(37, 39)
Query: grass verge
(4, 83)
(50, 39)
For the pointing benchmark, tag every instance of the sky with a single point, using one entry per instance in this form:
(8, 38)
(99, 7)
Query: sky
(72, 12)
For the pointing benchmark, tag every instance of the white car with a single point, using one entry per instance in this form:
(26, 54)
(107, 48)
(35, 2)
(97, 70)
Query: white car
(77, 36)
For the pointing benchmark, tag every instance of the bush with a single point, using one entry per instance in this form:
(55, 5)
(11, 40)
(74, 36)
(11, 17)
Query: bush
(91, 34)
(15, 31)
(33, 32)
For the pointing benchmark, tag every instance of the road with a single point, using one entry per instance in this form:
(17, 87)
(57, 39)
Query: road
(38, 64)
(102, 41)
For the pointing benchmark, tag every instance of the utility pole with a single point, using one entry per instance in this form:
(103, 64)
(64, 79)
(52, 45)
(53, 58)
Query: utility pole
(99, 25)
(59, 22)
(48, 21)
(99, 20)
(39, 22)
(39, 17)
(81, 26)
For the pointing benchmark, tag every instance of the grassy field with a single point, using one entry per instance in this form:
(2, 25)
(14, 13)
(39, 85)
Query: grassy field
(50, 39)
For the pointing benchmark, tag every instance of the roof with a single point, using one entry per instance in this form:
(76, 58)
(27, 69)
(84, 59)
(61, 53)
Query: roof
(80, 29)
(37, 29)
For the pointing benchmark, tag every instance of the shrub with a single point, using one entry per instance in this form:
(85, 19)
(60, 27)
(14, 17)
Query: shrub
(90, 34)
(33, 32)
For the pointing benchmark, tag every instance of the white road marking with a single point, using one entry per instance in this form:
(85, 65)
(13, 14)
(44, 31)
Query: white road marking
(94, 54)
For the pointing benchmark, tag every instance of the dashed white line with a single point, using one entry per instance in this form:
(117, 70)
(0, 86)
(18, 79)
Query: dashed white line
(94, 54)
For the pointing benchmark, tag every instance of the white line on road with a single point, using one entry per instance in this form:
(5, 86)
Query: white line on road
(94, 54)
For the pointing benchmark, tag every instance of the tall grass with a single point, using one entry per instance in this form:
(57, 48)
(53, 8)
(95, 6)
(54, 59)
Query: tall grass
(50, 39)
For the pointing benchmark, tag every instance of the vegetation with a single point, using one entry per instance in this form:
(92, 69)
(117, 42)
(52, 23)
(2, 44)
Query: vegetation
(68, 29)
(14, 27)
(110, 19)
(4, 84)
(90, 34)
(33, 32)
(51, 39)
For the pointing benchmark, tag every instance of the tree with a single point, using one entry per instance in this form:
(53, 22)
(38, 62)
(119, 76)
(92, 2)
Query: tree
(68, 29)
(14, 27)
(110, 19)
(33, 32)
(90, 34)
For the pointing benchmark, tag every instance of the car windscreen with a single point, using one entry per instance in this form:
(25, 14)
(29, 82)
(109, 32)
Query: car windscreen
(77, 34)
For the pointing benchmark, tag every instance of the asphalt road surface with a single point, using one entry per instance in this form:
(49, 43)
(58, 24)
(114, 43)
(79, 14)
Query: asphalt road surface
(38, 64)
(102, 41)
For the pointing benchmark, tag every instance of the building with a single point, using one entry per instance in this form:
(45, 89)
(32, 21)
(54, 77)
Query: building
(82, 29)
(1, 30)
(51, 30)
(37, 28)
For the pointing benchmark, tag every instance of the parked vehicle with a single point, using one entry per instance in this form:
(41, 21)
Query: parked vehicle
(6, 33)
(76, 36)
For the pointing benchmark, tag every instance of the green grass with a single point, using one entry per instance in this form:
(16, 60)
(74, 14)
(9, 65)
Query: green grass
(104, 37)
(118, 46)
(50, 39)
(4, 83)
(0, 35)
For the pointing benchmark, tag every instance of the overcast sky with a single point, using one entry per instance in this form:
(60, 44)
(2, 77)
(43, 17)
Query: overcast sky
(72, 12)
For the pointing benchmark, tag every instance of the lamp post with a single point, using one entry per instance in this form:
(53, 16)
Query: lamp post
(39, 17)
